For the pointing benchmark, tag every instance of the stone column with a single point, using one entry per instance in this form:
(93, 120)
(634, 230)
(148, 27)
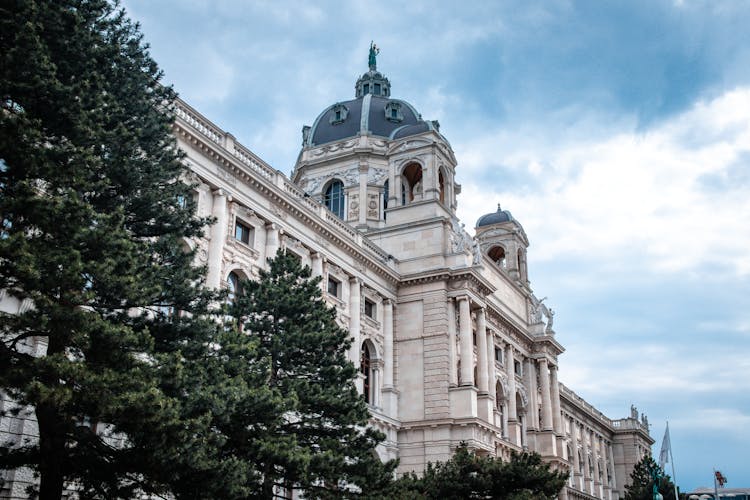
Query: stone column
(377, 367)
(390, 395)
(218, 237)
(611, 455)
(533, 413)
(491, 366)
(272, 240)
(546, 397)
(595, 457)
(481, 351)
(509, 367)
(316, 261)
(354, 321)
(574, 460)
(586, 457)
(453, 369)
(467, 344)
(388, 342)
(555, 395)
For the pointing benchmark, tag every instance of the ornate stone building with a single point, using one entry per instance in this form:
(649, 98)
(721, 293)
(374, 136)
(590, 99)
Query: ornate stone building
(452, 342)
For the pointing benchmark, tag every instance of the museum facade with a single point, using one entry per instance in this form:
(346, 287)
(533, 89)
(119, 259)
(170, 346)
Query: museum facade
(453, 344)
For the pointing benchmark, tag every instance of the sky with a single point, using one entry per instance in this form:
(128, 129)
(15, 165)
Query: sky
(617, 133)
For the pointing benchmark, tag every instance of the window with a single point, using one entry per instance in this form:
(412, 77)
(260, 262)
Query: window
(376, 91)
(413, 179)
(364, 368)
(334, 198)
(517, 367)
(340, 112)
(385, 197)
(366, 88)
(334, 287)
(393, 112)
(497, 254)
(243, 233)
(441, 183)
(234, 286)
(370, 309)
(499, 355)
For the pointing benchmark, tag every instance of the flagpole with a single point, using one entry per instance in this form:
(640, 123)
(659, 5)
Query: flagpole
(674, 477)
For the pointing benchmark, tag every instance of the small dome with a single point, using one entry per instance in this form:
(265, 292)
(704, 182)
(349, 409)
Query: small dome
(495, 218)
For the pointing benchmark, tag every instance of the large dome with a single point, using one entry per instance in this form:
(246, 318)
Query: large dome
(372, 112)
(375, 115)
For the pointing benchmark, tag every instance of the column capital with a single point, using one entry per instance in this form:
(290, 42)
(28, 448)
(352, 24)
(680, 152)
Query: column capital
(220, 192)
(355, 280)
(272, 226)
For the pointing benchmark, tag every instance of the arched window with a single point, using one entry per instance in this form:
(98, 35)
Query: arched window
(364, 368)
(234, 286)
(385, 197)
(497, 254)
(441, 185)
(334, 198)
(412, 180)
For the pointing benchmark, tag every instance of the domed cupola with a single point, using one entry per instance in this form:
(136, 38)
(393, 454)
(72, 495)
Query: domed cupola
(502, 239)
(371, 112)
(494, 218)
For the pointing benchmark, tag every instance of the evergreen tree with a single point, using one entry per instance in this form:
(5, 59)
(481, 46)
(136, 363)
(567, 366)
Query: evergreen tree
(318, 441)
(467, 475)
(641, 484)
(94, 215)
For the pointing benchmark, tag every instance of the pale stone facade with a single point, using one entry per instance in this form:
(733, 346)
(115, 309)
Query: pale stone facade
(458, 347)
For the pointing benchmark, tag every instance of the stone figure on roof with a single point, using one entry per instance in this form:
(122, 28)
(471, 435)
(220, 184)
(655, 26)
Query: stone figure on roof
(374, 51)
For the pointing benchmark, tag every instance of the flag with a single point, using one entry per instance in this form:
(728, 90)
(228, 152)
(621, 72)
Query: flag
(665, 448)
(720, 478)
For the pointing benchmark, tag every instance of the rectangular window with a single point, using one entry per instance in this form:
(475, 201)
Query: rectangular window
(370, 310)
(243, 233)
(377, 89)
(366, 88)
(334, 287)
(499, 355)
(517, 367)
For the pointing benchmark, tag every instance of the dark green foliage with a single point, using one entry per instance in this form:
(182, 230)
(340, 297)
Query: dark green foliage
(467, 475)
(641, 484)
(316, 439)
(92, 233)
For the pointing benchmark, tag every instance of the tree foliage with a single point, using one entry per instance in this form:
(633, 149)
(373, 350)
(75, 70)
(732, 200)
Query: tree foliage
(641, 483)
(316, 439)
(94, 220)
(467, 475)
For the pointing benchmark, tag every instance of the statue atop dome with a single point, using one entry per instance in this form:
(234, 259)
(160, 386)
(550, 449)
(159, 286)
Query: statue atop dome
(374, 51)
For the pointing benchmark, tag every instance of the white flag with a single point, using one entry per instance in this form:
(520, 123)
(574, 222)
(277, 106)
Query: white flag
(665, 448)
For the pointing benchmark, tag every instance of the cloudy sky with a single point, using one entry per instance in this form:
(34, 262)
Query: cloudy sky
(617, 133)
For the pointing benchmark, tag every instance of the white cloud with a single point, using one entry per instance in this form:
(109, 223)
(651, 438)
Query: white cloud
(630, 193)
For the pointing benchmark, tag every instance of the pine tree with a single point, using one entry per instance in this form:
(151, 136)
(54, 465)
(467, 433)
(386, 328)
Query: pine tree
(94, 215)
(467, 475)
(318, 442)
(641, 484)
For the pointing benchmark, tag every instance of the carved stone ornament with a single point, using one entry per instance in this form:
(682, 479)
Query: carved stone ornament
(376, 175)
(353, 206)
(351, 177)
(372, 205)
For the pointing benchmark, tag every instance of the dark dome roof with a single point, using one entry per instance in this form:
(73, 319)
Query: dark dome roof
(376, 115)
(372, 111)
(494, 218)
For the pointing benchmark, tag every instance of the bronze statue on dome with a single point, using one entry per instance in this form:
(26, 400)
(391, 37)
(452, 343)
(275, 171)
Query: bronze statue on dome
(374, 51)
